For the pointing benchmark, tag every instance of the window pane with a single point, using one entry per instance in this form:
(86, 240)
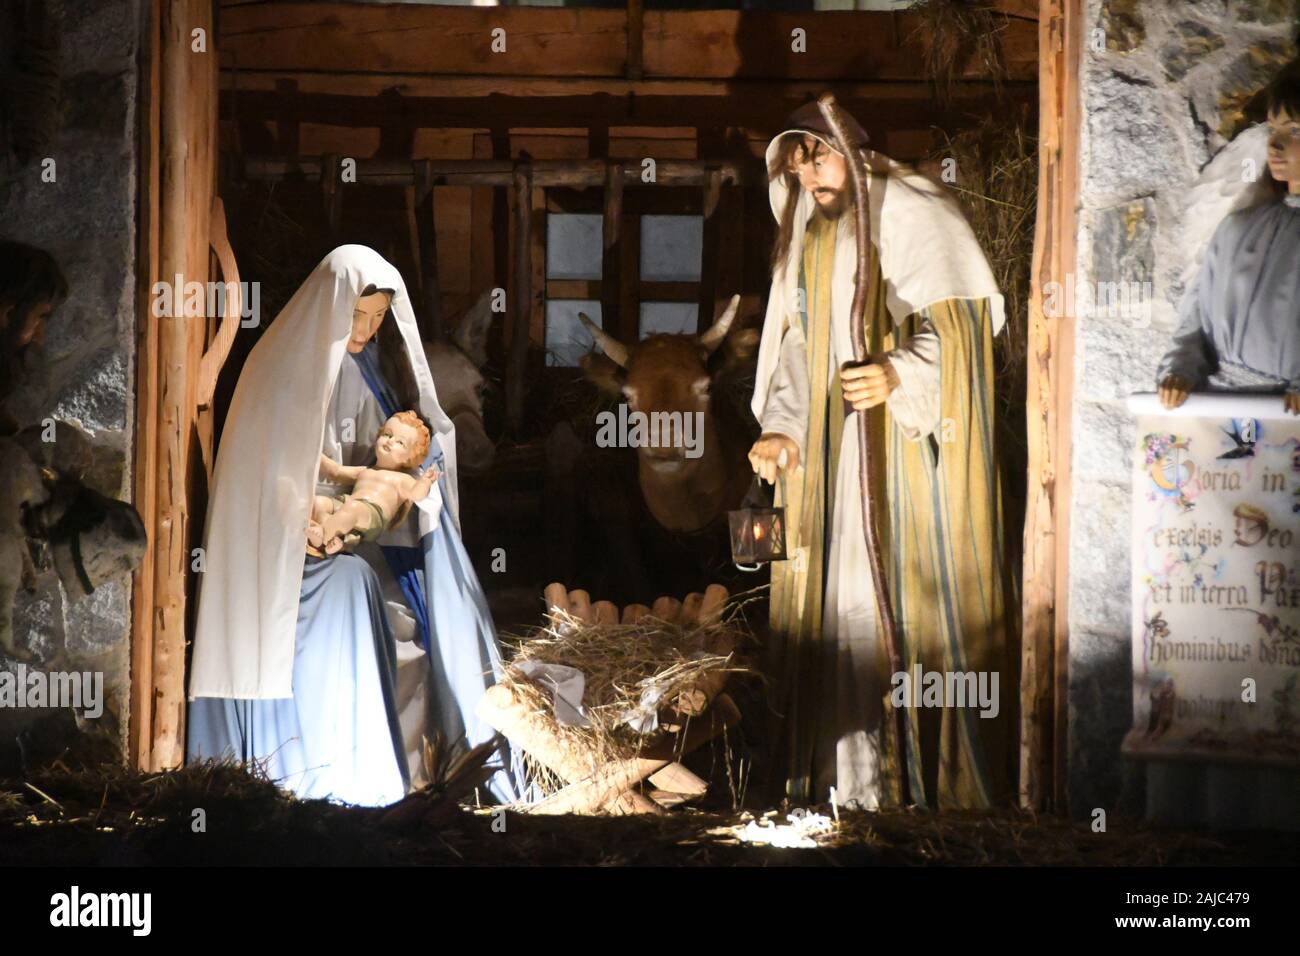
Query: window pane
(573, 246)
(668, 317)
(671, 248)
(567, 339)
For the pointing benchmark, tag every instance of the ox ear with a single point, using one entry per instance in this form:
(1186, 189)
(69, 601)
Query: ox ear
(604, 373)
(736, 353)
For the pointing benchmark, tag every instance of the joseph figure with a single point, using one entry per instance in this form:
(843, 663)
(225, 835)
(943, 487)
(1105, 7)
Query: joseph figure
(932, 310)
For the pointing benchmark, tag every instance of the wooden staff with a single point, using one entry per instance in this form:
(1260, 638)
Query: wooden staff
(861, 216)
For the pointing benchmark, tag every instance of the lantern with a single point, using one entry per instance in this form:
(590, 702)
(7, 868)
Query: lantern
(757, 530)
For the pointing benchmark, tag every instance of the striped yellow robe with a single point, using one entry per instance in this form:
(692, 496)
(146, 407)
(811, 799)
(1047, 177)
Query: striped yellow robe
(939, 522)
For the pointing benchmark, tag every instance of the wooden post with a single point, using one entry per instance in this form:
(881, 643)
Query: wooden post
(140, 737)
(175, 395)
(1045, 656)
(710, 253)
(331, 166)
(425, 223)
(610, 260)
(522, 301)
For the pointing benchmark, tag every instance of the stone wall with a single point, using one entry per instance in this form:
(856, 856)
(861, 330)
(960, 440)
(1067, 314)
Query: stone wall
(1164, 83)
(86, 218)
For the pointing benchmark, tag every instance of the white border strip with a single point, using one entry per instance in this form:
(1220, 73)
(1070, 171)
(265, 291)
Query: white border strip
(1220, 405)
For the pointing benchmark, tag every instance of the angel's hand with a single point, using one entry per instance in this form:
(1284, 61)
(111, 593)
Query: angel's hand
(328, 468)
(1173, 391)
(1291, 403)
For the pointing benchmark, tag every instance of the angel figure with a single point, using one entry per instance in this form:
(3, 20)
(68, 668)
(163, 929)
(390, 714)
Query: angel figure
(1239, 323)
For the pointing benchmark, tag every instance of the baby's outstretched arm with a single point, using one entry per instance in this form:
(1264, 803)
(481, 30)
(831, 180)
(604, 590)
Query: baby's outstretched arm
(422, 485)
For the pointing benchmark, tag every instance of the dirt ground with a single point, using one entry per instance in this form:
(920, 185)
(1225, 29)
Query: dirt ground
(120, 817)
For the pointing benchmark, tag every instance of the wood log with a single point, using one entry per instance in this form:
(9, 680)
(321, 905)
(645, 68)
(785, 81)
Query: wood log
(634, 612)
(666, 609)
(675, 778)
(580, 607)
(668, 800)
(693, 700)
(534, 733)
(618, 776)
(606, 612)
(715, 601)
(690, 613)
(557, 597)
(629, 802)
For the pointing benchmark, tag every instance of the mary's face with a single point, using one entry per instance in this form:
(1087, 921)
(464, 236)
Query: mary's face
(366, 319)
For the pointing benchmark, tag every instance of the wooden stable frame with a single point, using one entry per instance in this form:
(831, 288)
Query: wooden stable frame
(177, 189)
(595, 69)
(1044, 682)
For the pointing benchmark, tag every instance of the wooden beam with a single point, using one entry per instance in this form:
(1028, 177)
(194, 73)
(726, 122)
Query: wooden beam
(547, 174)
(540, 41)
(492, 89)
(1044, 652)
(761, 107)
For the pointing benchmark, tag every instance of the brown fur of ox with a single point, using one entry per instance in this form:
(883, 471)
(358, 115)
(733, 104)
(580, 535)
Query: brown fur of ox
(679, 373)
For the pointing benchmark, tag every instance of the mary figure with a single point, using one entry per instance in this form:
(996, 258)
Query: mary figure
(297, 660)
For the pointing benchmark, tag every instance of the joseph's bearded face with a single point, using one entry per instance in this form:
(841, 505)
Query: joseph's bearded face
(822, 172)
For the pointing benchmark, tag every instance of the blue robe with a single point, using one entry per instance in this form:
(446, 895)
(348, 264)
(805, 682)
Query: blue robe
(339, 736)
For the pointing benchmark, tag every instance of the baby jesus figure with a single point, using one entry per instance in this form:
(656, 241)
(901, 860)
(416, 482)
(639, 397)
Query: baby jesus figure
(381, 496)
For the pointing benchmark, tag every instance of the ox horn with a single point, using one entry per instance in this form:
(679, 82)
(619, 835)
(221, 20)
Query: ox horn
(611, 346)
(718, 331)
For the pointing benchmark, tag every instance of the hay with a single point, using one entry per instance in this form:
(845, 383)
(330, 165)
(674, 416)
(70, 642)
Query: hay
(956, 34)
(619, 662)
(997, 185)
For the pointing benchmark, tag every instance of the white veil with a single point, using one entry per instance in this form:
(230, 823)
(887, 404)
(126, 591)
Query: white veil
(266, 470)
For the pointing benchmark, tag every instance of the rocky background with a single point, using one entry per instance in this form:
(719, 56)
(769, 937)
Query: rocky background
(86, 219)
(1164, 86)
